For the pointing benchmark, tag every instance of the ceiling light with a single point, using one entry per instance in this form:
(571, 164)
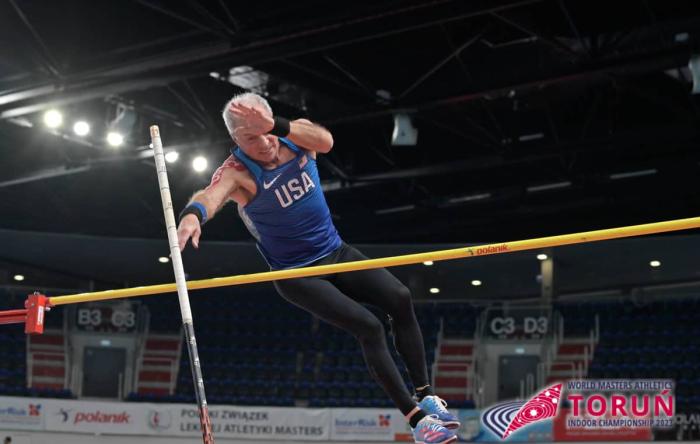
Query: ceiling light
(400, 209)
(655, 263)
(163, 260)
(81, 128)
(549, 186)
(529, 137)
(19, 277)
(114, 138)
(428, 263)
(469, 198)
(435, 290)
(53, 118)
(630, 174)
(476, 282)
(542, 257)
(199, 164)
(172, 156)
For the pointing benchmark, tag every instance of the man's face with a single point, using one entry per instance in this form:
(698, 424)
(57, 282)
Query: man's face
(260, 147)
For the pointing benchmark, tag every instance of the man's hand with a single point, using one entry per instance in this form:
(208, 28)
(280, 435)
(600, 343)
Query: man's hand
(189, 228)
(252, 121)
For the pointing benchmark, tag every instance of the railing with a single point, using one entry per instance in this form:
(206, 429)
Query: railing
(30, 361)
(67, 352)
(176, 368)
(440, 337)
(477, 389)
(142, 331)
(550, 348)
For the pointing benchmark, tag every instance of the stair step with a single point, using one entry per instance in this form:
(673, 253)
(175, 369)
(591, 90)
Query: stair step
(457, 341)
(463, 359)
(45, 339)
(551, 379)
(572, 349)
(153, 391)
(154, 384)
(150, 375)
(565, 365)
(47, 380)
(453, 395)
(576, 340)
(446, 349)
(42, 362)
(453, 374)
(158, 361)
(451, 381)
(162, 344)
(570, 357)
(45, 370)
(48, 385)
(49, 356)
(165, 354)
(453, 366)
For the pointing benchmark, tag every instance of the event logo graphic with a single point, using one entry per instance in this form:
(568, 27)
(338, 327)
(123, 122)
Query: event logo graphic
(505, 418)
(159, 420)
(384, 420)
(620, 403)
(65, 414)
(34, 409)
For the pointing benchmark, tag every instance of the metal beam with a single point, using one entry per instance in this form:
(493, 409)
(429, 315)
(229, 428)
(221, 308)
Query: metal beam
(441, 63)
(653, 61)
(44, 53)
(544, 39)
(176, 16)
(253, 49)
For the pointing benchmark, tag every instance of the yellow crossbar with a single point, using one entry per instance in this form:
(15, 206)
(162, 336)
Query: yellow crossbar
(440, 255)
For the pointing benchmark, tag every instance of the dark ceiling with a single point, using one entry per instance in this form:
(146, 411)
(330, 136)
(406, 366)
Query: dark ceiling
(530, 113)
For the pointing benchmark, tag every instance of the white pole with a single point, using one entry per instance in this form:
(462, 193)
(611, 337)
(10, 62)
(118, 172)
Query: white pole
(181, 284)
(171, 226)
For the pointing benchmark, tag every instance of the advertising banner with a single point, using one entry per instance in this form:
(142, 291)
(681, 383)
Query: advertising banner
(21, 413)
(285, 424)
(351, 424)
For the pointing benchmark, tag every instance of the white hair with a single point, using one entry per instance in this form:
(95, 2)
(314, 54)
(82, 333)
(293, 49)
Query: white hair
(246, 98)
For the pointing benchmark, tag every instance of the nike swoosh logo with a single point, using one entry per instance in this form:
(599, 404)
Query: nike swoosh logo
(268, 185)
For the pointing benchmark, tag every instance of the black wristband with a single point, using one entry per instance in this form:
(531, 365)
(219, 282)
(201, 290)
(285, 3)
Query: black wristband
(193, 209)
(281, 128)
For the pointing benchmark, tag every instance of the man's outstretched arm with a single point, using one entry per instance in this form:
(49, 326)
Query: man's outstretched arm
(205, 204)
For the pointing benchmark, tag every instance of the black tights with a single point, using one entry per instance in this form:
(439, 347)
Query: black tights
(336, 299)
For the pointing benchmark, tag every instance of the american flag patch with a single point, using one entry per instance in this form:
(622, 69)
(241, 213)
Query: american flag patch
(303, 161)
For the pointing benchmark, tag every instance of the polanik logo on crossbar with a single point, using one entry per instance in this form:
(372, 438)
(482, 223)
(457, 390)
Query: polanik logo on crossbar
(505, 418)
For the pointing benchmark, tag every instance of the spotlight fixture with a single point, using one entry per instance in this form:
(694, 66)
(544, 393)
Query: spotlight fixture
(114, 139)
(53, 118)
(172, 156)
(81, 128)
(199, 164)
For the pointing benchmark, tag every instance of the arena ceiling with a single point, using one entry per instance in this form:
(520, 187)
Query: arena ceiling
(533, 117)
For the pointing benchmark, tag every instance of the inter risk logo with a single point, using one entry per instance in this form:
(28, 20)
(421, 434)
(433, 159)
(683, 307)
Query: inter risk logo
(505, 418)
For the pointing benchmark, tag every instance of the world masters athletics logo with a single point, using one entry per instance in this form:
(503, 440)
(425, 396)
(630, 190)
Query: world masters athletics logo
(505, 418)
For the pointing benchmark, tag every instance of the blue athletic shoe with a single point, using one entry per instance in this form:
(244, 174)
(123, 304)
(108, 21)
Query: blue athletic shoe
(430, 430)
(434, 405)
